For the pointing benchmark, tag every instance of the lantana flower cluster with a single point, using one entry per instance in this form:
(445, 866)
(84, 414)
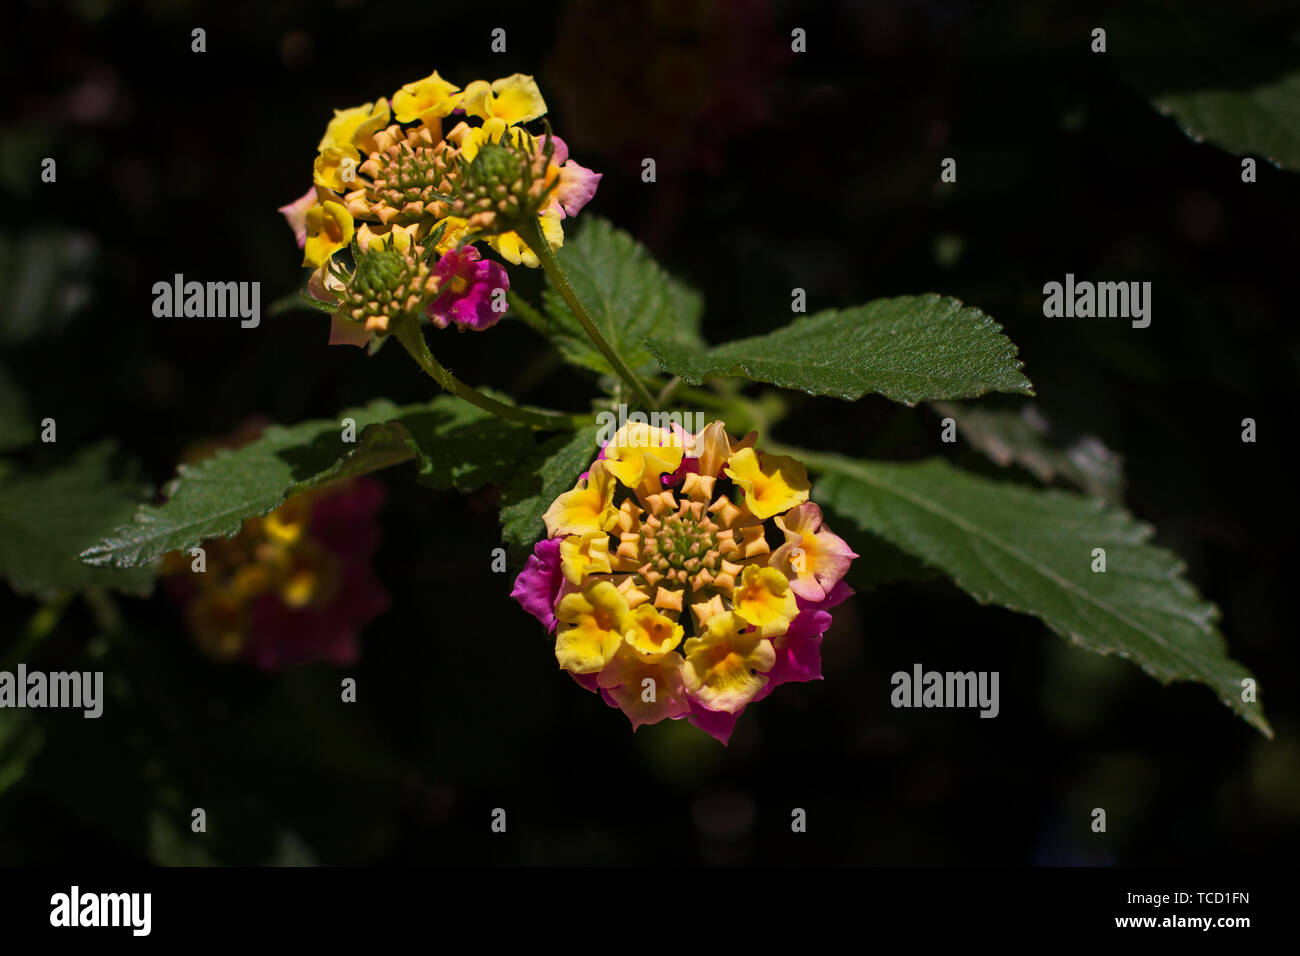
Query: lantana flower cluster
(387, 181)
(659, 577)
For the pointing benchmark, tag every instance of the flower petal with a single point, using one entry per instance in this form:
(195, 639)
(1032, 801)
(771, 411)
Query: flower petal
(723, 669)
(591, 627)
(647, 691)
(763, 598)
(344, 331)
(431, 96)
(576, 187)
(469, 289)
(772, 485)
(514, 99)
(639, 451)
(718, 724)
(588, 507)
(295, 213)
(538, 585)
(329, 229)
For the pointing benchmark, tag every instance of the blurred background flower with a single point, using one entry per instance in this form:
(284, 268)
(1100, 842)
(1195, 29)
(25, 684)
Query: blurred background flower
(292, 587)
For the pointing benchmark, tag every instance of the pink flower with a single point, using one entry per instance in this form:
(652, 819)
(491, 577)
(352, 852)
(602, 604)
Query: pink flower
(812, 557)
(468, 287)
(622, 685)
(799, 650)
(577, 183)
(538, 586)
(714, 722)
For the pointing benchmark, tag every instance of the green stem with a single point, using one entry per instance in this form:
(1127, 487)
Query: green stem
(532, 235)
(411, 336)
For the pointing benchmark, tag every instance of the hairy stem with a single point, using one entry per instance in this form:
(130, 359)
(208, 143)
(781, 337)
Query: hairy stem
(411, 336)
(532, 235)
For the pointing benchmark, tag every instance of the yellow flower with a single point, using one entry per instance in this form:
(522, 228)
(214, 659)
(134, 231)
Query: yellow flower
(352, 127)
(723, 667)
(588, 507)
(513, 99)
(514, 250)
(763, 598)
(336, 168)
(349, 134)
(638, 452)
(775, 485)
(329, 229)
(651, 633)
(592, 624)
(430, 98)
(581, 555)
(452, 234)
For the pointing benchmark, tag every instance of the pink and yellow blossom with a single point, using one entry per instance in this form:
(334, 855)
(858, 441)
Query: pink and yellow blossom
(697, 618)
(812, 557)
(387, 164)
(723, 669)
(469, 289)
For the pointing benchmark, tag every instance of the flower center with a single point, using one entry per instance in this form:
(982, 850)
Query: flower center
(386, 285)
(682, 543)
(408, 175)
(684, 551)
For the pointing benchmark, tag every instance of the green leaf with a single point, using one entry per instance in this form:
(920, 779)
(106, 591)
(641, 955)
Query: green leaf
(46, 519)
(455, 445)
(1031, 551)
(463, 447)
(1023, 437)
(554, 469)
(1262, 120)
(629, 296)
(909, 349)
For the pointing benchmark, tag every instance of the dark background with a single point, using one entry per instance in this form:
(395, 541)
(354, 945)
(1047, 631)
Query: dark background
(775, 170)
